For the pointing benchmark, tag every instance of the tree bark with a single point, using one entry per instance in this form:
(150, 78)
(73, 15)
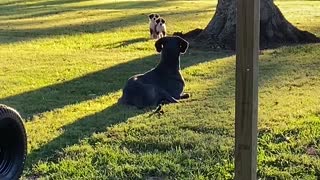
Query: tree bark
(275, 30)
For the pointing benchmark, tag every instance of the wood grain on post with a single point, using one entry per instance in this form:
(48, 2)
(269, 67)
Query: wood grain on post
(247, 46)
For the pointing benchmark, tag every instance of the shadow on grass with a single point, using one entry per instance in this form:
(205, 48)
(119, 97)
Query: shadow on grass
(79, 89)
(56, 2)
(95, 84)
(222, 93)
(15, 35)
(131, 41)
(271, 69)
(82, 128)
(112, 80)
(92, 27)
(115, 114)
(20, 9)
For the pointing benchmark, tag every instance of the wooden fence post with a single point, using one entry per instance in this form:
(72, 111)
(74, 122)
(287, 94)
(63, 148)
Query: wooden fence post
(247, 45)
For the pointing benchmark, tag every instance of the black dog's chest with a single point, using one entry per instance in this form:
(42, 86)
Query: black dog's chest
(174, 84)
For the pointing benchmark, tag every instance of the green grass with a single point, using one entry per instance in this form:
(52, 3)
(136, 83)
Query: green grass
(64, 62)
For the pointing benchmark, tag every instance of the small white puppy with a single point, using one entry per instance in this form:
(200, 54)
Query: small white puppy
(152, 25)
(161, 29)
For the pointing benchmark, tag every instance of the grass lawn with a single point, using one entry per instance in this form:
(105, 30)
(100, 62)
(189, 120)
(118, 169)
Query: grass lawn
(64, 62)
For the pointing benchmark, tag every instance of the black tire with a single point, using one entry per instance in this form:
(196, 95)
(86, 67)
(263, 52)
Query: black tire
(13, 144)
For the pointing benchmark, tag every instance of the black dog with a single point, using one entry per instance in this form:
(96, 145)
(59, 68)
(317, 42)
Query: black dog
(162, 84)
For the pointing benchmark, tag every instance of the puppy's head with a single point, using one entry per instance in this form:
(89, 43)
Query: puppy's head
(160, 21)
(172, 45)
(153, 17)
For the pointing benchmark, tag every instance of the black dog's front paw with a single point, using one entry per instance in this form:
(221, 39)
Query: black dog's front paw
(184, 96)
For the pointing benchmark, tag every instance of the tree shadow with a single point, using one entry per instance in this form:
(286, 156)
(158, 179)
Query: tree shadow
(98, 122)
(82, 128)
(11, 2)
(128, 5)
(56, 2)
(79, 89)
(94, 84)
(92, 27)
(16, 35)
(21, 11)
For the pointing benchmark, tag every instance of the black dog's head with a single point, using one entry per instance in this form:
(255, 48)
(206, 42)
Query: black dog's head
(172, 45)
(153, 17)
(160, 21)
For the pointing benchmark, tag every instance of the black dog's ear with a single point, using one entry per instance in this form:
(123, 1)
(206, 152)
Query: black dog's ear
(150, 16)
(159, 44)
(183, 45)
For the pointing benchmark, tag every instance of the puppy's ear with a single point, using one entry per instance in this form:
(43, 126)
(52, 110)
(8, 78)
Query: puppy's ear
(150, 16)
(158, 21)
(163, 21)
(159, 44)
(183, 45)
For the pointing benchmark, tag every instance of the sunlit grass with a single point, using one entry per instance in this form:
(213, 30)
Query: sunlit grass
(64, 62)
(303, 14)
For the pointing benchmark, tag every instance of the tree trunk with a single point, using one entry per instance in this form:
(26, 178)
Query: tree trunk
(275, 30)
